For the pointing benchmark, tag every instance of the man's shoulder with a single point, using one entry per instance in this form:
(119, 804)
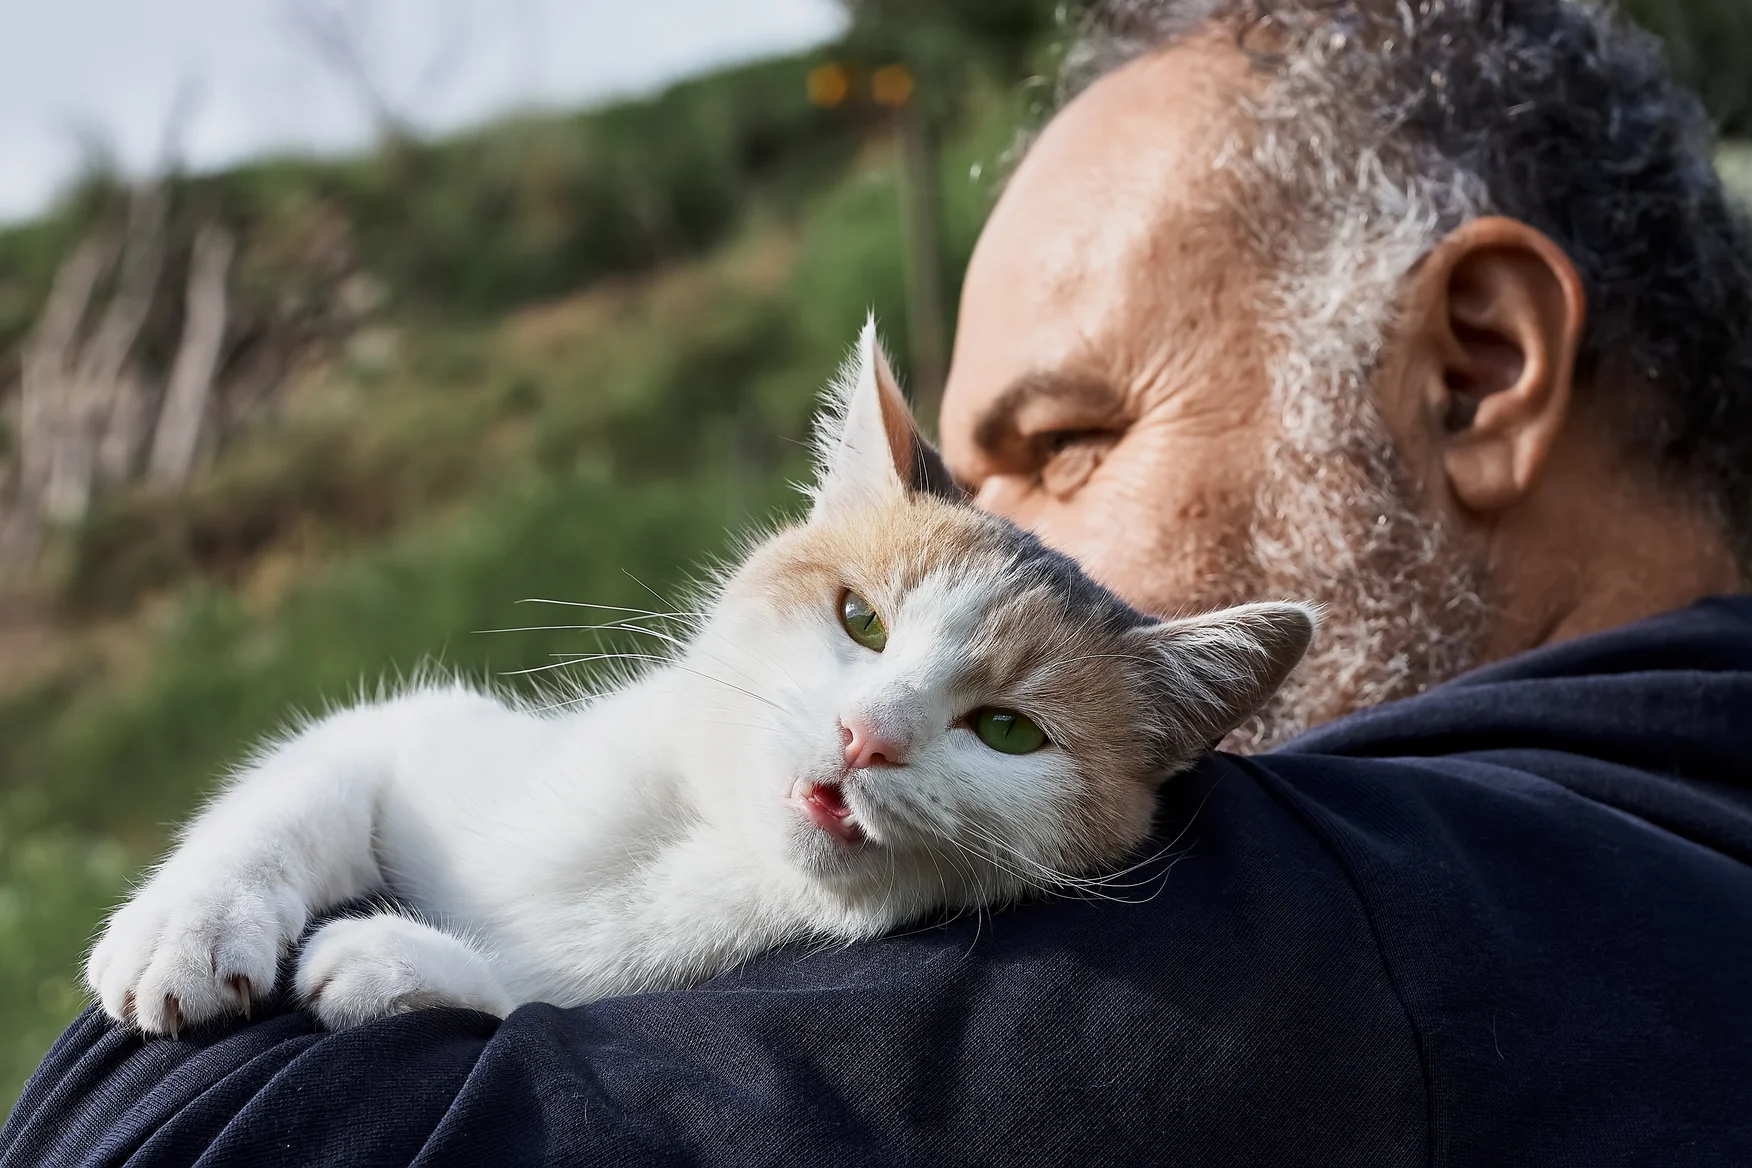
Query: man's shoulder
(1225, 996)
(1557, 923)
(1318, 958)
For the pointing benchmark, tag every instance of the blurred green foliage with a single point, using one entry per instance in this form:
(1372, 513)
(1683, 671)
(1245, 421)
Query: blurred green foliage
(541, 206)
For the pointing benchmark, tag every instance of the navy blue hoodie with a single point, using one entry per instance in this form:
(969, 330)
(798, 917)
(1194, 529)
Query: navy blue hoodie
(1508, 922)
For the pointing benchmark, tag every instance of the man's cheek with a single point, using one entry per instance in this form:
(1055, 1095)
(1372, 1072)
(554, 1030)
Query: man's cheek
(1167, 552)
(1013, 497)
(1114, 537)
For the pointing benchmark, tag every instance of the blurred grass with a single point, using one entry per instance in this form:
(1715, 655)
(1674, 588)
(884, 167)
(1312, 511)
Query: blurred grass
(596, 446)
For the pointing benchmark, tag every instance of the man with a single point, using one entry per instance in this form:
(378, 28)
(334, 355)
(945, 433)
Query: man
(1450, 332)
(1434, 312)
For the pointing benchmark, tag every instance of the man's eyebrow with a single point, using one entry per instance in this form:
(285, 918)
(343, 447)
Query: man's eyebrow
(995, 427)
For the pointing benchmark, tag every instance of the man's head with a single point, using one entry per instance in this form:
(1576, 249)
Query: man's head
(1434, 312)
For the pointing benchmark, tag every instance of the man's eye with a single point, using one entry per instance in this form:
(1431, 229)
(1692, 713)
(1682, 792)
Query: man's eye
(1069, 457)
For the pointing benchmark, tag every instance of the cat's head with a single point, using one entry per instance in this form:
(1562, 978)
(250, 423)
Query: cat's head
(910, 694)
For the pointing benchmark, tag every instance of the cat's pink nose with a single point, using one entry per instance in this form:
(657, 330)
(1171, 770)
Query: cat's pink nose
(867, 747)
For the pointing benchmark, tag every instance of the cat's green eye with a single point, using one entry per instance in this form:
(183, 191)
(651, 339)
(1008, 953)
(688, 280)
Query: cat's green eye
(1008, 731)
(862, 623)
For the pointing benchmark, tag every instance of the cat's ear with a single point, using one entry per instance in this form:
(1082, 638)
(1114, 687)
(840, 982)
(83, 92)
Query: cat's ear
(1213, 672)
(867, 446)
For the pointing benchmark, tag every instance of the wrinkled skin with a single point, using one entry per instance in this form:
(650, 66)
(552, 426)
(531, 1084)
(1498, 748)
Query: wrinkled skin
(1111, 390)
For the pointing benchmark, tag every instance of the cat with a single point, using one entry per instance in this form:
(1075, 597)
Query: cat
(898, 706)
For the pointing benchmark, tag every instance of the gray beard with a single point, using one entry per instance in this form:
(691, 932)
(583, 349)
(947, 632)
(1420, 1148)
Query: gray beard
(1338, 523)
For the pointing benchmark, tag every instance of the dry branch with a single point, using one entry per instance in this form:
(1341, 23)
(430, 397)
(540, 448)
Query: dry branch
(185, 409)
(50, 363)
(101, 380)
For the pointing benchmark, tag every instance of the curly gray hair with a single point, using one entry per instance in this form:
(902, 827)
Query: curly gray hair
(1378, 127)
(1384, 124)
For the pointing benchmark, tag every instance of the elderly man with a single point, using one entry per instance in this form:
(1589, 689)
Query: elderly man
(1432, 311)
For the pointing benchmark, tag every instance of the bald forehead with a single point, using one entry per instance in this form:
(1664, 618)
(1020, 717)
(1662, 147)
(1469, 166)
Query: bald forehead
(1135, 147)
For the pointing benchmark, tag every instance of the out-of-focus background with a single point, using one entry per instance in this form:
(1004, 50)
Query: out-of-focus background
(330, 329)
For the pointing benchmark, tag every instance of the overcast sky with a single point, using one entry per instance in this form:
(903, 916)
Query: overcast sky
(251, 79)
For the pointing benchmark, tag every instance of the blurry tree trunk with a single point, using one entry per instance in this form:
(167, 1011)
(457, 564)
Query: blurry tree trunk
(50, 362)
(178, 434)
(121, 438)
(101, 381)
(922, 209)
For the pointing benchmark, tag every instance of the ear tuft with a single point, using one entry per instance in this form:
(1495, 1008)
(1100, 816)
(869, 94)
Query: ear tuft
(1216, 671)
(867, 446)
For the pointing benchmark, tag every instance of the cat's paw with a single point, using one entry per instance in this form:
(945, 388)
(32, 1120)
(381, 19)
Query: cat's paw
(359, 969)
(192, 946)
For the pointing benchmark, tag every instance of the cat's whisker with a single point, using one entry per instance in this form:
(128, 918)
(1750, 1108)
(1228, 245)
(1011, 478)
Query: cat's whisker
(976, 880)
(893, 872)
(727, 685)
(644, 613)
(1046, 879)
(612, 607)
(646, 587)
(1094, 885)
(942, 882)
(762, 659)
(643, 657)
(993, 863)
(741, 719)
(581, 659)
(990, 861)
(610, 627)
(694, 648)
(1165, 851)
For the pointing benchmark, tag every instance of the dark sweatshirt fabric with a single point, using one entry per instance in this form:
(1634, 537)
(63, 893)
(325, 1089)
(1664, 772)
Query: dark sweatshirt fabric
(1506, 922)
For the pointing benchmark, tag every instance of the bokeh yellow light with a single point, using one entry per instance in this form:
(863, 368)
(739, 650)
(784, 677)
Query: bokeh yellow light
(892, 85)
(829, 84)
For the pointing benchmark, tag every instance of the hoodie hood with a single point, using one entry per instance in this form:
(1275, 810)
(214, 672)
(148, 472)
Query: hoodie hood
(1665, 704)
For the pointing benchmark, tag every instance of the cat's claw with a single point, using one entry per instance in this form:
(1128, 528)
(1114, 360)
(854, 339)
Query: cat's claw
(173, 957)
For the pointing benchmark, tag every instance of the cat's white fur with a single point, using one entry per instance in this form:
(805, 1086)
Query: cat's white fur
(651, 837)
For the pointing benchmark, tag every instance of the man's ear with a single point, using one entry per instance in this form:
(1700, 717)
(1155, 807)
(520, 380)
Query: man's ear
(1213, 672)
(1496, 320)
(867, 446)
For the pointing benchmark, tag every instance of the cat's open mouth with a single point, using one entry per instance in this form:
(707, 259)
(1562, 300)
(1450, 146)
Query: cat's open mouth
(825, 805)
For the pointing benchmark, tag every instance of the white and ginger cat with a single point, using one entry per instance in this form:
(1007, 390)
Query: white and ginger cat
(899, 705)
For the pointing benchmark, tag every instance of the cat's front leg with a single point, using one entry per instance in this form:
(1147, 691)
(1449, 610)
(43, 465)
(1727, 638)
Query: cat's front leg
(358, 969)
(291, 836)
